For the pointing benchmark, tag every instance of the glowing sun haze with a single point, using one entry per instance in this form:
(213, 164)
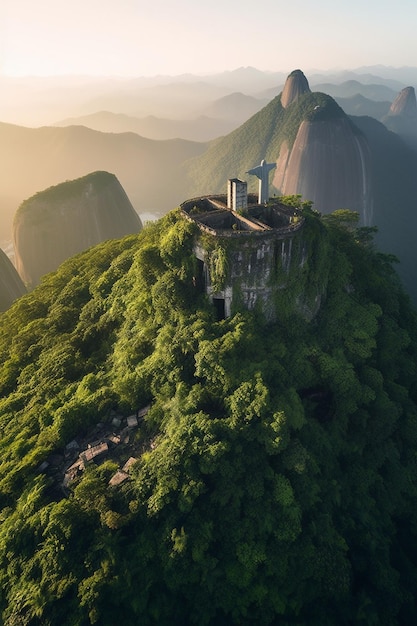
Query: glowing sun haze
(144, 38)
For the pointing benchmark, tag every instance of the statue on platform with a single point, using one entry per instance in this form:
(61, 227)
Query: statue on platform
(262, 172)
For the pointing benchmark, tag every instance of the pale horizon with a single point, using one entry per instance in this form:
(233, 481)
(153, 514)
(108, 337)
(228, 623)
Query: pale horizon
(134, 38)
(285, 71)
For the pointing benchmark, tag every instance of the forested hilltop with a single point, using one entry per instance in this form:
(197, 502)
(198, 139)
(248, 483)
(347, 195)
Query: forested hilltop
(274, 479)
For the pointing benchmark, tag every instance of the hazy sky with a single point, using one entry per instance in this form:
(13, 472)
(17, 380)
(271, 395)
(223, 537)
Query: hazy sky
(140, 38)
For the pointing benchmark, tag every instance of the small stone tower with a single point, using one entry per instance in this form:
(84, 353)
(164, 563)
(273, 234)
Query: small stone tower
(237, 194)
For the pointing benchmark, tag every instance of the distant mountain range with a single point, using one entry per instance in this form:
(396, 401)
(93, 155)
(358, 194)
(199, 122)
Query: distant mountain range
(43, 100)
(32, 159)
(158, 174)
(352, 88)
(218, 118)
(226, 113)
(202, 128)
(359, 105)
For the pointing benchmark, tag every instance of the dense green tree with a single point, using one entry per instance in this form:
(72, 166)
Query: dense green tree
(276, 482)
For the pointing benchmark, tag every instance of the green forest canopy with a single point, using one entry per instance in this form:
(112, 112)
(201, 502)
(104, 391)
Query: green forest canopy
(69, 189)
(277, 478)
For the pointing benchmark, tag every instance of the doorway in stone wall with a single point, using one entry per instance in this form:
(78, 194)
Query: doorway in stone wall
(219, 308)
(200, 276)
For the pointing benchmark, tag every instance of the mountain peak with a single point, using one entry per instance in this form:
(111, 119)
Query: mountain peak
(66, 219)
(295, 86)
(405, 103)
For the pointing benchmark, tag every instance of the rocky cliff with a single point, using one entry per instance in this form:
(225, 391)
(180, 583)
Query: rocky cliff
(66, 219)
(329, 162)
(330, 158)
(11, 285)
(295, 86)
(318, 151)
(405, 104)
(402, 116)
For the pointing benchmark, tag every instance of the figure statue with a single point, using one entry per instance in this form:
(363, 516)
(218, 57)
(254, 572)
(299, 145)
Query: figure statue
(262, 172)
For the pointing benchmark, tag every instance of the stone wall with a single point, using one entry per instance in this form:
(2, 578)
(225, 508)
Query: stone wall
(251, 260)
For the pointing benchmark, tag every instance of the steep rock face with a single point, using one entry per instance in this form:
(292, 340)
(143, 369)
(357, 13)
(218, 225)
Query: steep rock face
(11, 285)
(329, 163)
(66, 219)
(402, 116)
(295, 86)
(405, 104)
(318, 151)
(394, 167)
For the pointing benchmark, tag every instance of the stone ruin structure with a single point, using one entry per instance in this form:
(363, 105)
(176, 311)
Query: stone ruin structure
(245, 249)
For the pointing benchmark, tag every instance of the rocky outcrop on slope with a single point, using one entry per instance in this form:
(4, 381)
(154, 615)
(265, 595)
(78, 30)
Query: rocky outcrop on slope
(66, 219)
(295, 86)
(11, 285)
(328, 163)
(402, 116)
(405, 104)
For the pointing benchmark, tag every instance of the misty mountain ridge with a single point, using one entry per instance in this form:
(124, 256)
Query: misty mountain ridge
(360, 105)
(236, 106)
(352, 87)
(217, 118)
(40, 100)
(159, 175)
(32, 159)
(402, 74)
(202, 128)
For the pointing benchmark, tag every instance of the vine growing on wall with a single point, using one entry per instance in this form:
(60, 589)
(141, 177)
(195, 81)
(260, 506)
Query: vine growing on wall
(218, 267)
